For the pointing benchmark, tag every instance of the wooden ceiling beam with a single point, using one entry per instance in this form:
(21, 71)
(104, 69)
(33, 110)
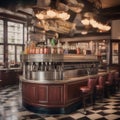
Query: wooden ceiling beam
(110, 13)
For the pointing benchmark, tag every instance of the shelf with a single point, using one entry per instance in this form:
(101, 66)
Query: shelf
(58, 58)
(103, 54)
(42, 58)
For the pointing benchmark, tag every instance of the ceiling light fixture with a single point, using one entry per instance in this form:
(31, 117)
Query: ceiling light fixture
(84, 32)
(90, 21)
(52, 14)
(85, 22)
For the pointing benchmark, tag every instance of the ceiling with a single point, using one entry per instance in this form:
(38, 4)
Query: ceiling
(110, 9)
(104, 5)
(104, 9)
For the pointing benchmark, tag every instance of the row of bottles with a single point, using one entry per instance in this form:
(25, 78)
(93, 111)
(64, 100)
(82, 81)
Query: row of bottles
(78, 48)
(43, 49)
(53, 47)
(48, 47)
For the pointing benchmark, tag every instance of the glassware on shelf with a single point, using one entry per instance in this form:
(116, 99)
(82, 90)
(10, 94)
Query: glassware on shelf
(37, 50)
(59, 48)
(77, 49)
(66, 48)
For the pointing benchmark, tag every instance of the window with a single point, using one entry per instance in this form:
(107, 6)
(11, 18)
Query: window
(11, 54)
(15, 33)
(19, 51)
(12, 44)
(15, 41)
(1, 43)
(1, 54)
(1, 31)
(115, 53)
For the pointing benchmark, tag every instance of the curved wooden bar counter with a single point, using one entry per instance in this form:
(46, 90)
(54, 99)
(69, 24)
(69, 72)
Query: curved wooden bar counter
(50, 83)
(53, 97)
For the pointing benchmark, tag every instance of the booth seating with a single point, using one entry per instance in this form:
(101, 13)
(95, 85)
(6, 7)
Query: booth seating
(88, 92)
(100, 86)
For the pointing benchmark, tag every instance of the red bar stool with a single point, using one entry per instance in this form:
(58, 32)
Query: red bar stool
(88, 92)
(100, 87)
(117, 81)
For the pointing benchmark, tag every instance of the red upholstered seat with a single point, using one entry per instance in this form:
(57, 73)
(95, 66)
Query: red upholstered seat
(98, 87)
(85, 89)
(108, 82)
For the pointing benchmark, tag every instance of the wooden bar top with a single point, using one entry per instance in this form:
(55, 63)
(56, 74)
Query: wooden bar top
(62, 81)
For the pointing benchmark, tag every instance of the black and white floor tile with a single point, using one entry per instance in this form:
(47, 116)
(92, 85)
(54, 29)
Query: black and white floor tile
(11, 108)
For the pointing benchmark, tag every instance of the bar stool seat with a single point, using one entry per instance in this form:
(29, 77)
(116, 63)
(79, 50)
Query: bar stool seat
(85, 89)
(98, 87)
(108, 83)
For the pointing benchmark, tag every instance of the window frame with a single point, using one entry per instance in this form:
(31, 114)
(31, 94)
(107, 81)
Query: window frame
(5, 40)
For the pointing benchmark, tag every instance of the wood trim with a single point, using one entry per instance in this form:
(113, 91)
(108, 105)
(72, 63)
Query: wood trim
(13, 17)
(80, 39)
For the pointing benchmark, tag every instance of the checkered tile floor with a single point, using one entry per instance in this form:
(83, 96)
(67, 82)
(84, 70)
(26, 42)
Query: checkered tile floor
(11, 109)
